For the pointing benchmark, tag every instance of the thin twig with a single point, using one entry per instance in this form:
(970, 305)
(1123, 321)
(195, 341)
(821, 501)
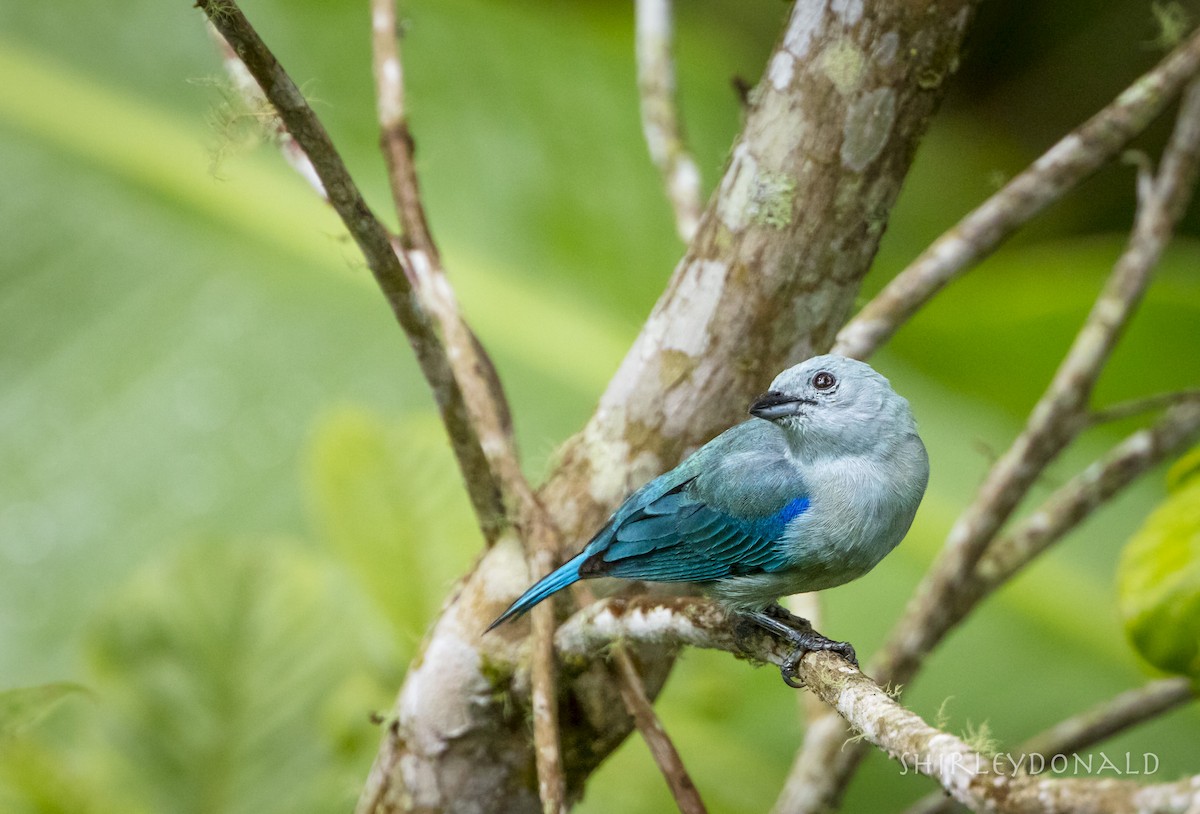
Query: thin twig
(823, 768)
(1110, 717)
(1135, 407)
(479, 426)
(641, 709)
(1054, 421)
(544, 699)
(471, 365)
(396, 281)
(1088, 728)
(486, 398)
(1061, 512)
(1067, 164)
(633, 693)
(660, 116)
(266, 116)
(395, 138)
(825, 764)
(1079, 497)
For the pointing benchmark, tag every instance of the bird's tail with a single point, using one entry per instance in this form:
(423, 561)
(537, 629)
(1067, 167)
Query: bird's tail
(555, 581)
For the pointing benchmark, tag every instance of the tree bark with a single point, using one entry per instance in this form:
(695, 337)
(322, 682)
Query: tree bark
(770, 276)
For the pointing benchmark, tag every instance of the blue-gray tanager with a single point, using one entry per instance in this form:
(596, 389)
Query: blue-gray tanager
(810, 493)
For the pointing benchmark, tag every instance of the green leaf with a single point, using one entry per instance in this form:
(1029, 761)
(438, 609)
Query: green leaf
(21, 709)
(239, 678)
(391, 504)
(1185, 470)
(1159, 578)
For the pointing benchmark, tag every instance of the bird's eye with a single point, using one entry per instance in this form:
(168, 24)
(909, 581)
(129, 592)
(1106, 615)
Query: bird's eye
(823, 380)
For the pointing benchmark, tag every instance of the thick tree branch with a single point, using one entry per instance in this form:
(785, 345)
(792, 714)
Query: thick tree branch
(950, 588)
(781, 248)
(660, 115)
(1066, 165)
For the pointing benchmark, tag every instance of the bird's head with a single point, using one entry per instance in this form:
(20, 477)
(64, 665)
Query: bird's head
(841, 402)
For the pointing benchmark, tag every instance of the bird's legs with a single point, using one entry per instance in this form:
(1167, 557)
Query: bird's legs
(799, 632)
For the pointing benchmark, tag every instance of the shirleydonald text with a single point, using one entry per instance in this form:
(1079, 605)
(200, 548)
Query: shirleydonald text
(1007, 763)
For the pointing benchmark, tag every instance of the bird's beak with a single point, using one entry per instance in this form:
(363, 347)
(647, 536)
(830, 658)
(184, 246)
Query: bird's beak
(773, 405)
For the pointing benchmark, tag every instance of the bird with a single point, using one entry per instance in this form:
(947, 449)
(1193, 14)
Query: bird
(811, 492)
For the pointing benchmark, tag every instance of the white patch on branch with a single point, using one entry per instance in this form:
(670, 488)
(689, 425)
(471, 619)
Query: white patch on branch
(807, 19)
(699, 291)
(868, 125)
(508, 570)
(733, 205)
(849, 11)
(885, 50)
(781, 70)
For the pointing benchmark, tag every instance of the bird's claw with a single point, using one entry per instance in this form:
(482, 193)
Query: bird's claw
(799, 632)
(790, 668)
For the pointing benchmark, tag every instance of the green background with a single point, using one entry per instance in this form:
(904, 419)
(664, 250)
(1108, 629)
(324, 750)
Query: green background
(227, 512)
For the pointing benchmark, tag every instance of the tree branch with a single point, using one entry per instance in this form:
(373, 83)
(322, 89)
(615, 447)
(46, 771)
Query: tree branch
(1111, 717)
(397, 282)
(1066, 165)
(950, 588)
(1088, 728)
(1135, 407)
(781, 248)
(660, 117)
(468, 392)
(481, 385)
(774, 267)
(687, 798)
(265, 114)
(1078, 498)
(977, 780)
(1056, 418)
(641, 709)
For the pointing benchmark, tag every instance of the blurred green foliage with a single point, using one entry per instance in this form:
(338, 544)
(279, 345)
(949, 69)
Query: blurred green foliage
(1159, 575)
(392, 509)
(226, 508)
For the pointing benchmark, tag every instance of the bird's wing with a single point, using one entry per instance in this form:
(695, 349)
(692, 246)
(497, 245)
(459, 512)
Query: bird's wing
(688, 531)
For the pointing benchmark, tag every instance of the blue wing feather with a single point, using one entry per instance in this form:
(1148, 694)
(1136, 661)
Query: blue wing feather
(696, 543)
(721, 512)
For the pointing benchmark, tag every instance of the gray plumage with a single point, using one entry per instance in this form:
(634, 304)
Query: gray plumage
(811, 493)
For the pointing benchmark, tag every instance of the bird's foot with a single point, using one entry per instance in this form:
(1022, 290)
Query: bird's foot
(800, 634)
(777, 611)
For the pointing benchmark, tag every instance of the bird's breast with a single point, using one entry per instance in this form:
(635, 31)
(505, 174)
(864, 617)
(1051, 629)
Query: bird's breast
(855, 517)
